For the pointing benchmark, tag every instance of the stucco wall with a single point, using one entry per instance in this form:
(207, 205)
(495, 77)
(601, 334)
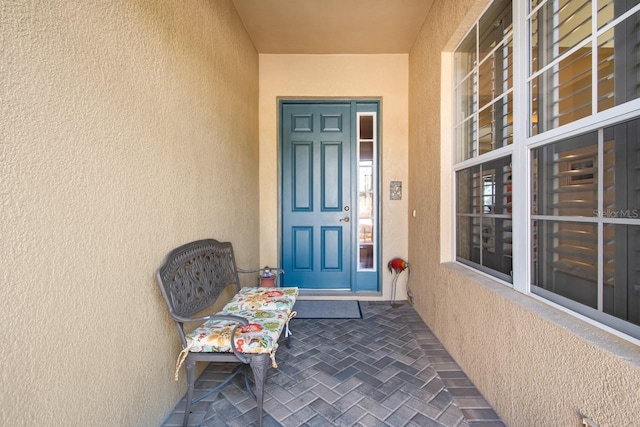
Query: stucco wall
(332, 77)
(536, 365)
(127, 128)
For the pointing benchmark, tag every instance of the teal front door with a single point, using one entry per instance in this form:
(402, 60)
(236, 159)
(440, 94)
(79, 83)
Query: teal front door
(316, 193)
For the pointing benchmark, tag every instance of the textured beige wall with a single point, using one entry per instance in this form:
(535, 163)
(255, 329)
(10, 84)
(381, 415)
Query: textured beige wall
(127, 128)
(536, 365)
(338, 76)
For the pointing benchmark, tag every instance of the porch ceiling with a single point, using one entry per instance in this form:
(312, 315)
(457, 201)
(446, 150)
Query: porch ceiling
(333, 26)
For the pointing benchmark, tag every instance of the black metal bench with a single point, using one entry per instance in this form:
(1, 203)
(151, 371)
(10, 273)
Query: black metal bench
(245, 332)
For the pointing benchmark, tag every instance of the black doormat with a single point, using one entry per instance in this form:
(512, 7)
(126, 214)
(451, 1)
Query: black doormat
(321, 309)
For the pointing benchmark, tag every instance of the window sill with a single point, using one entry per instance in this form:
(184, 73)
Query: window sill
(595, 334)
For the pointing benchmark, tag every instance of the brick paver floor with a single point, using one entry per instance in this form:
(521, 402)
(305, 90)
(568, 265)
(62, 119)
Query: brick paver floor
(387, 369)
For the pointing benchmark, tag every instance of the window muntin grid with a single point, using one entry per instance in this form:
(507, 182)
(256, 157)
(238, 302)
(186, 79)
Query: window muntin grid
(483, 217)
(599, 72)
(483, 90)
(586, 222)
(585, 58)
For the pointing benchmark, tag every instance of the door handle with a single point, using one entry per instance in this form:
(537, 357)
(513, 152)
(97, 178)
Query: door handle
(345, 219)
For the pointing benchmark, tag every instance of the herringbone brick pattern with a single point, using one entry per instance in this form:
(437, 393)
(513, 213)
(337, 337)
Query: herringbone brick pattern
(387, 369)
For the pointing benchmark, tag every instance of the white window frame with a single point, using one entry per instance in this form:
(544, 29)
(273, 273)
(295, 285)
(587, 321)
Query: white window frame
(451, 155)
(520, 151)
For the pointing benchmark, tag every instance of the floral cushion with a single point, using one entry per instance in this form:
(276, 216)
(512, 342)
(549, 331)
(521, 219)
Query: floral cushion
(259, 336)
(249, 298)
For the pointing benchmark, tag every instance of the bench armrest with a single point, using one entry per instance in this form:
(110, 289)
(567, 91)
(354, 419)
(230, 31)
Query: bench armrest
(241, 321)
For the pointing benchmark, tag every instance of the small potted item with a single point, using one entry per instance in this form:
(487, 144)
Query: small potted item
(267, 278)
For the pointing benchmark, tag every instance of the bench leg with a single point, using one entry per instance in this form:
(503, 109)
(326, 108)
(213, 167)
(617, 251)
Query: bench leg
(190, 367)
(259, 365)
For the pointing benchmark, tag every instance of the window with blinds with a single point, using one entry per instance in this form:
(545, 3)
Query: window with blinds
(586, 228)
(484, 85)
(584, 59)
(484, 230)
(577, 239)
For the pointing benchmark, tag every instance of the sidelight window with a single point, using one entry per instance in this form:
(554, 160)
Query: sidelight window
(367, 193)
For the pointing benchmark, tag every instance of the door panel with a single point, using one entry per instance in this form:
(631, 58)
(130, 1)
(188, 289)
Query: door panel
(302, 169)
(331, 185)
(303, 242)
(316, 195)
(331, 248)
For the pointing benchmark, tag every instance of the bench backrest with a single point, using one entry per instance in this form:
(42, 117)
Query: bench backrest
(195, 274)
